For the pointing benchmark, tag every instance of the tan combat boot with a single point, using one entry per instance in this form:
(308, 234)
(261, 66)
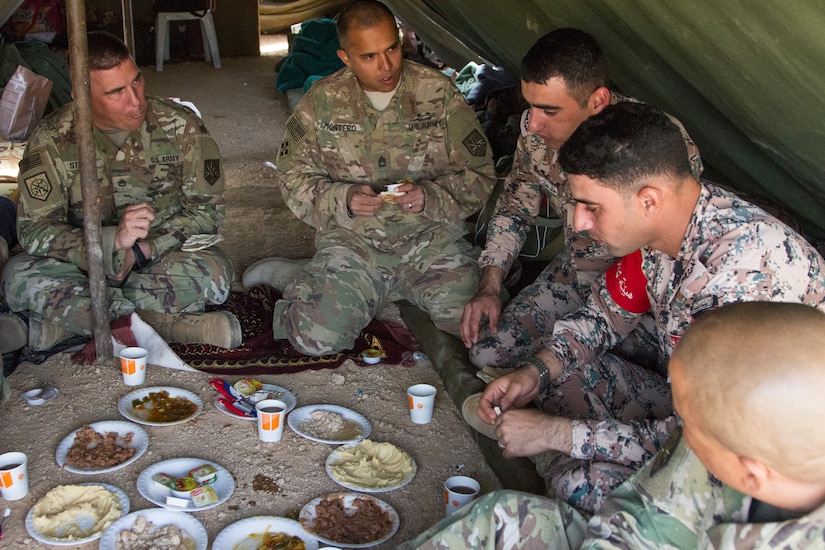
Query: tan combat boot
(279, 273)
(216, 328)
(44, 335)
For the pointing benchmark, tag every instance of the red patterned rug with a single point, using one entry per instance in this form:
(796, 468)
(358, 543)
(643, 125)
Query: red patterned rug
(261, 354)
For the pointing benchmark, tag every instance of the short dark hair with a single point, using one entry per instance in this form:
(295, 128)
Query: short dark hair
(362, 14)
(624, 144)
(571, 54)
(106, 51)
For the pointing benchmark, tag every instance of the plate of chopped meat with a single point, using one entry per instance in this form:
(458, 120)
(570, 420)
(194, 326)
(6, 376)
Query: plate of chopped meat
(102, 447)
(349, 520)
(154, 528)
(160, 406)
(329, 424)
(264, 532)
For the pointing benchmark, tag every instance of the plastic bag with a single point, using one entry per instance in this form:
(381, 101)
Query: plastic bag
(22, 104)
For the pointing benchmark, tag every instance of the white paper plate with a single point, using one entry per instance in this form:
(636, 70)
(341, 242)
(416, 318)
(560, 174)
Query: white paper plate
(124, 404)
(124, 509)
(179, 467)
(335, 456)
(236, 536)
(159, 518)
(301, 415)
(140, 442)
(308, 516)
(287, 398)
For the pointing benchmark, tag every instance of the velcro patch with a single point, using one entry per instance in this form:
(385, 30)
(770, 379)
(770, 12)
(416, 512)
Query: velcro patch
(30, 162)
(212, 170)
(39, 186)
(627, 284)
(295, 129)
(283, 151)
(476, 144)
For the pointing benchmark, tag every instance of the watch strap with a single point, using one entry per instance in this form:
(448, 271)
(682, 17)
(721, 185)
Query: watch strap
(140, 259)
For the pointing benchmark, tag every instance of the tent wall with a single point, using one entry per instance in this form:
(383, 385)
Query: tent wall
(744, 76)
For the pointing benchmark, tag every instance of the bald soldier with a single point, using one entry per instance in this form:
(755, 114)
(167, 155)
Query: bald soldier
(746, 470)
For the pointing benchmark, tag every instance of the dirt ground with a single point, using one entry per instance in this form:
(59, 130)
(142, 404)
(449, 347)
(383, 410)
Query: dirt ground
(246, 116)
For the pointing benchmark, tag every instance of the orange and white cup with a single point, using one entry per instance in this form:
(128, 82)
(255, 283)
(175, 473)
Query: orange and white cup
(271, 415)
(14, 476)
(133, 365)
(458, 491)
(421, 398)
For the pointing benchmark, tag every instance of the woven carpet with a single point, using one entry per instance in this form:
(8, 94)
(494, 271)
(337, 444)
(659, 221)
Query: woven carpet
(261, 354)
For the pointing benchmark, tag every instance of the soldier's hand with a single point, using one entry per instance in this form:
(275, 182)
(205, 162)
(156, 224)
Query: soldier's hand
(483, 304)
(363, 201)
(514, 390)
(528, 432)
(137, 218)
(413, 199)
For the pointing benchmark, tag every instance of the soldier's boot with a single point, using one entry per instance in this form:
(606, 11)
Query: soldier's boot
(13, 333)
(216, 328)
(279, 273)
(468, 411)
(44, 335)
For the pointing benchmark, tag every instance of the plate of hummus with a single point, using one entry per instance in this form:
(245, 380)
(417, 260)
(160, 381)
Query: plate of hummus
(154, 528)
(69, 515)
(370, 466)
(264, 532)
(160, 406)
(102, 447)
(329, 424)
(349, 520)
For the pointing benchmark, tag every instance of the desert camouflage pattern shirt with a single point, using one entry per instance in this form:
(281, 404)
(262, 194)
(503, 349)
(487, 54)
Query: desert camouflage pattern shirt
(427, 133)
(675, 503)
(732, 252)
(535, 174)
(170, 162)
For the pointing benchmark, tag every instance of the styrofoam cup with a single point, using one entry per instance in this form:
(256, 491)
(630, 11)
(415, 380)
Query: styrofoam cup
(14, 476)
(271, 413)
(133, 366)
(421, 398)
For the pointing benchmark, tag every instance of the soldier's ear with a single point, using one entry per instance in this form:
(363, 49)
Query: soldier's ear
(342, 55)
(649, 199)
(755, 476)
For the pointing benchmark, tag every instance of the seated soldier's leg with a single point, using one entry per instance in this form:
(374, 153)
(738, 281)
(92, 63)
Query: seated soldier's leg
(181, 282)
(528, 318)
(327, 309)
(505, 520)
(56, 292)
(601, 396)
(445, 288)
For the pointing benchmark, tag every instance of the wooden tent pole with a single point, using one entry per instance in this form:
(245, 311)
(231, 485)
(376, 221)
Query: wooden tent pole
(79, 55)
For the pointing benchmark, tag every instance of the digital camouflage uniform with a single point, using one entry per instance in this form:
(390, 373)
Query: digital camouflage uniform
(732, 252)
(336, 138)
(170, 162)
(563, 286)
(672, 503)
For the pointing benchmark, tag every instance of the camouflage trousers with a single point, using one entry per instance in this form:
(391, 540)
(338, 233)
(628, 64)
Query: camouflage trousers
(607, 398)
(505, 520)
(526, 323)
(345, 287)
(57, 291)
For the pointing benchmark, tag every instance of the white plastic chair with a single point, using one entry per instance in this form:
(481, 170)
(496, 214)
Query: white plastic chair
(210, 38)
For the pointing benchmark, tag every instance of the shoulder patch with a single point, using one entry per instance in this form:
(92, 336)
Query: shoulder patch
(38, 186)
(627, 284)
(31, 161)
(295, 129)
(703, 305)
(525, 120)
(476, 144)
(664, 455)
(211, 170)
(283, 150)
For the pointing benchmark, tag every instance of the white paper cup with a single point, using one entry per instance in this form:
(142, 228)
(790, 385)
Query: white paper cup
(271, 414)
(133, 366)
(421, 398)
(458, 491)
(14, 476)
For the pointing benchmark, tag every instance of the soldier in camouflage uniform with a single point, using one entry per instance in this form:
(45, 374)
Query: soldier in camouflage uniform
(745, 470)
(160, 182)
(378, 121)
(686, 247)
(564, 78)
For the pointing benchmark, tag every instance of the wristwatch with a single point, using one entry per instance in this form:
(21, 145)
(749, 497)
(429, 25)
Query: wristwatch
(544, 373)
(140, 260)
